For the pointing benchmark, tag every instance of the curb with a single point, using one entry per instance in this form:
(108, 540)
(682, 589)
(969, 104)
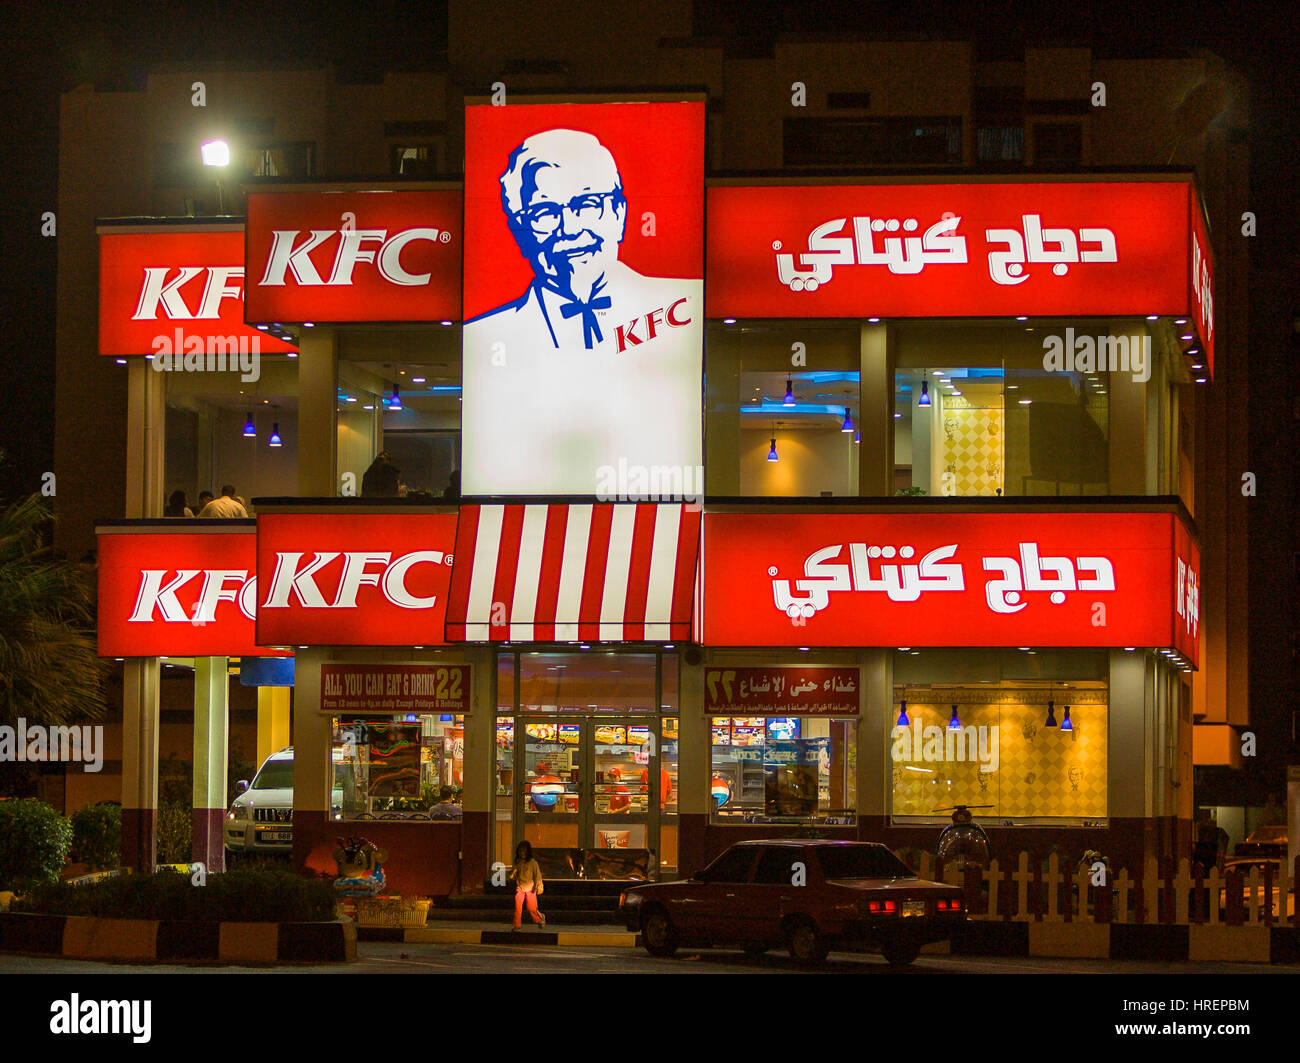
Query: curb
(172, 941)
(1184, 943)
(454, 935)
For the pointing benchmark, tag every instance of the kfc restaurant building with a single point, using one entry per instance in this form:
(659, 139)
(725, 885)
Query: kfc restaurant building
(945, 552)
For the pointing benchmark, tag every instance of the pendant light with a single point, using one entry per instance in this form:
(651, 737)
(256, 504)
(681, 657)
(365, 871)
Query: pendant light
(903, 721)
(275, 440)
(396, 404)
(789, 392)
(250, 429)
(1051, 714)
(771, 454)
(924, 400)
(1066, 725)
(954, 724)
(847, 426)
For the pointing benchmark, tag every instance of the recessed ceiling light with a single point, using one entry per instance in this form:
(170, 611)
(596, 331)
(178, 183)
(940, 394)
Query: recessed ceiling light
(728, 320)
(1025, 402)
(417, 380)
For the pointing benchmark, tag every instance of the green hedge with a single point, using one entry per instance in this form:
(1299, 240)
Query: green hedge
(34, 843)
(97, 835)
(240, 896)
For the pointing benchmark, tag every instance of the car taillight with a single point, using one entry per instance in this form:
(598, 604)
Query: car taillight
(622, 899)
(881, 907)
(953, 905)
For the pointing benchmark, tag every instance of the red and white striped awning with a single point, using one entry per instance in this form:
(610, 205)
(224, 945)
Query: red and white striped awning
(568, 572)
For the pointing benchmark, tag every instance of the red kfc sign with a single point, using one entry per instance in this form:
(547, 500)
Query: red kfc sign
(175, 292)
(1201, 283)
(942, 579)
(164, 592)
(354, 256)
(344, 580)
(952, 250)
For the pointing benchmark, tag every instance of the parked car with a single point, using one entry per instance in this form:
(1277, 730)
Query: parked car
(1264, 841)
(260, 818)
(808, 896)
(1243, 866)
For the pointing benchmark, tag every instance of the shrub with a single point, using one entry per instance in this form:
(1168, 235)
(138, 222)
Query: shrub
(97, 835)
(175, 832)
(34, 842)
(243, 896)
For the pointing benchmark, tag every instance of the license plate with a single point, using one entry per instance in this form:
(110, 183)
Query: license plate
(912, 908)
(276, 836)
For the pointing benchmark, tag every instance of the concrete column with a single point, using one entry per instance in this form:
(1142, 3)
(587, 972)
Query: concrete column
(317, 405)
(693, 772)
(145, 439)
(140, 696)
(313, 774)
(478, 798)
(876, 417)
(876, 709)
(272, 721)
(211, 727)
(1131, 464)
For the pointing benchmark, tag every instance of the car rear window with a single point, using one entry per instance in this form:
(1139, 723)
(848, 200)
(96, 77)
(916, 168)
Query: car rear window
(861, 861)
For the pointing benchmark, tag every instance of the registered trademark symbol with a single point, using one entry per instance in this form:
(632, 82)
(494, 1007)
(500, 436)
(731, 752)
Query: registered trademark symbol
(448, 560)
(445, 236)
(772, 571)
(776, 245)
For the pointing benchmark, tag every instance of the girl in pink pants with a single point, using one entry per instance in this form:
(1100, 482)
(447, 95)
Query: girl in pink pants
(528, 885)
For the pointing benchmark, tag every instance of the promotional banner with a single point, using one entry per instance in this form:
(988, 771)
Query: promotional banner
(583, 337)
(781, 691)
(1187, 594)
(345, 580)
(175, 292)
(942, 579)
(354, 256)
(951, 250)
(394, 688)
(1201, 281)
(182, 594)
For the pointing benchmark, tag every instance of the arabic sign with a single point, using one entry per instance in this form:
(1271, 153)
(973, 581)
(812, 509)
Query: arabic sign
(1201, 281)
(941, 579)
(1187, 594)
(781, 691)
(394, 688)
(168, 593)
(584, 315)
(160, 291)
(354, 256)
(955, 250)
(354, 579)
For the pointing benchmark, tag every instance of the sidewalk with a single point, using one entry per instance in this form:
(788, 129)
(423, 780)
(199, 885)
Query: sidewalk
(498, 932)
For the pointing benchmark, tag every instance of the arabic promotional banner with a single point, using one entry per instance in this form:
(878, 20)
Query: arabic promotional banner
(953, 250)
(175, 292)
(940, 579)
(181, 594)
(354, 256)
(345, 580)
(394, 688)
(584, 316)
(781, 691)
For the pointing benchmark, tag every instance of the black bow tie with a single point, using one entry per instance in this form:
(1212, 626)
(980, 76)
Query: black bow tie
(590, 327)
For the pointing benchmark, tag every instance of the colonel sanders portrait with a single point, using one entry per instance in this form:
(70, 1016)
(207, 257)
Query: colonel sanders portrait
(593, 362)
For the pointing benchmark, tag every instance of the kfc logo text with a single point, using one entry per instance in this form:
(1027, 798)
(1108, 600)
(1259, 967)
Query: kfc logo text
(1202, 289)
(289, 255)
(626, 334)
(162, 290)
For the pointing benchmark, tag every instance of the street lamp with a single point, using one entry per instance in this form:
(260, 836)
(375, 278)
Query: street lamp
(216, 153)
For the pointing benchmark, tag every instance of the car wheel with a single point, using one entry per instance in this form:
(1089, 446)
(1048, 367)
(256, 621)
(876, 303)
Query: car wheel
(805, 944)
(658, 933)
(901, 953)
(755, 949)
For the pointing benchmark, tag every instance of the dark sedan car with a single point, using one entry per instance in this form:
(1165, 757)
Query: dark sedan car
(810, 896)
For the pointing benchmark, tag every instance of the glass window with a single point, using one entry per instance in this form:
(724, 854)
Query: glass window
(399, 767)
(775, 430)
(399, 411)
(587, 682)
(731, 866)
(222, 431)
(860, 861)
(275, 775)
(776, 865)
(783, 770)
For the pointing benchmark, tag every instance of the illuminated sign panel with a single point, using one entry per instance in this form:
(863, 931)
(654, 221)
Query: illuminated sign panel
(354, 580)
(175, 292)
(1201, 280)
(583, 284)
(945, 579)
(354, 256)
(952, 250)
(171, 593)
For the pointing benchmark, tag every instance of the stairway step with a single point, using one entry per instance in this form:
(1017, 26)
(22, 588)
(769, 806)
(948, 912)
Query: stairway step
(553, 917)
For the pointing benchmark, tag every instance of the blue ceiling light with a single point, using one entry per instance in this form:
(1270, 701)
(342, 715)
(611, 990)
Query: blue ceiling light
(1051, 714)
(771, 454)
(924, 400)
(847, 426)
(903, 721)
(954, 724)
(396, 404)
(275, 440)
(1066, 725)
(789, 393)
(250, 429)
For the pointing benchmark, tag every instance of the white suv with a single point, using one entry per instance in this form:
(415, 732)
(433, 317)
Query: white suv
(261, 818)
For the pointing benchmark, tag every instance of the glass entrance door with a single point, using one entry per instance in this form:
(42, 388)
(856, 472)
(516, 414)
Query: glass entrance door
(584, 795)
